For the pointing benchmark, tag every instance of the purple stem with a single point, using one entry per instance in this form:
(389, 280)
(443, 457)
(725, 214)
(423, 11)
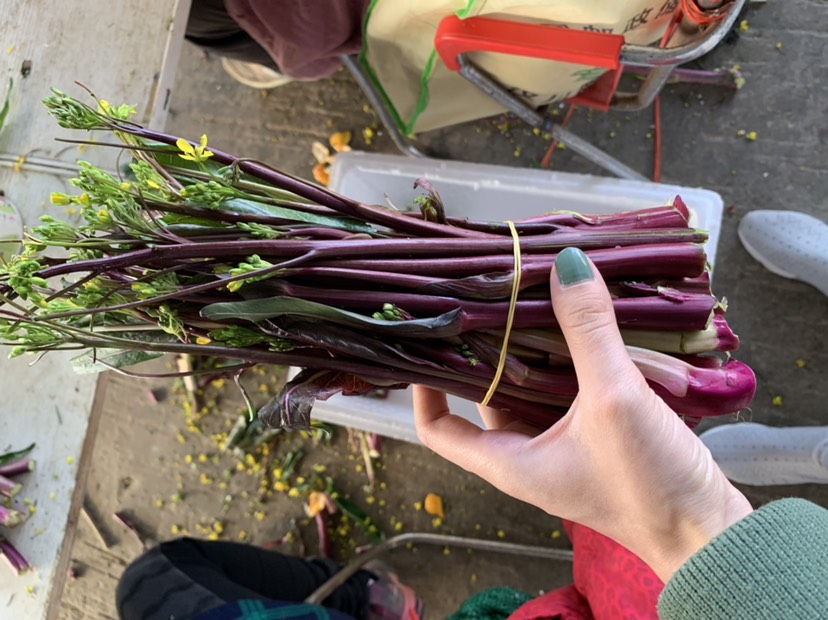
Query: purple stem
(375, 247)
(9, 488)
(18, 467)
(10, 517)
(15, 559)
(668, 260)
(692, 313)
(382, 216)
(325, 546)
(633, 262)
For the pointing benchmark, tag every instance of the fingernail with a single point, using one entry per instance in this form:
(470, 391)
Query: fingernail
(573, 267)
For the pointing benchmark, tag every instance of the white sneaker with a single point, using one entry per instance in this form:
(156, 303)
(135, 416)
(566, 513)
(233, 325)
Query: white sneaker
(788, 243)
(763, 455)
(254, 75)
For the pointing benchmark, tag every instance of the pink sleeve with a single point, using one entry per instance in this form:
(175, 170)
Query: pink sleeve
(304, 37)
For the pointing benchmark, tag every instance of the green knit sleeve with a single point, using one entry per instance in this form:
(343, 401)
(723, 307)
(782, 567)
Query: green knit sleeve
(772, 564)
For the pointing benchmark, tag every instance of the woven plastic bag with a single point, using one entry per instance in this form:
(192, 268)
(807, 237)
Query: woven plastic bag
(398, 53)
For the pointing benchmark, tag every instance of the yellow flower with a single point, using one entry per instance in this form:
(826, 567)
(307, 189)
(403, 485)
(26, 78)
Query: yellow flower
(194, 153)
(60, 200)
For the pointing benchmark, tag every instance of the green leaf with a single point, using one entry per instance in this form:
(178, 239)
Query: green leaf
(11, 457)
(358, 516)
(5, 111)
(90, 361)
(251, 207)
(448, 324)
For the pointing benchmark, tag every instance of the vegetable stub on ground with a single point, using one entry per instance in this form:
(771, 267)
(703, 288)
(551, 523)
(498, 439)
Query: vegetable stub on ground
(191, 250)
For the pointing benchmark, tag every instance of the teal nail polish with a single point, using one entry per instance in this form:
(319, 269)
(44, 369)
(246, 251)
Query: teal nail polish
(573, 267)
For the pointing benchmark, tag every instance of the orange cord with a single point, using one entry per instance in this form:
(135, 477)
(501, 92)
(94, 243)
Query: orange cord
(547, 159)
(700, 17)
(671, 29)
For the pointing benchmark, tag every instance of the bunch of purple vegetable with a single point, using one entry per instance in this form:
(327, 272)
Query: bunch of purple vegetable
(195, 251)
(13, 465)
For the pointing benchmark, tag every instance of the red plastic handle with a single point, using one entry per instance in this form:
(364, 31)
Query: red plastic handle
(457, 36)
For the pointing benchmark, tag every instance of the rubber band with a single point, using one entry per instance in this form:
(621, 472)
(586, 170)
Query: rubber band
(510, 318)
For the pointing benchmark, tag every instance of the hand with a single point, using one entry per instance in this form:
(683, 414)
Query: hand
(620, 462)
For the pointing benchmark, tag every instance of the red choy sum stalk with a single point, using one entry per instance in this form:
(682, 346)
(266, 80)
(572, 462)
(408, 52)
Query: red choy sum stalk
(194, 250)
(15, 560)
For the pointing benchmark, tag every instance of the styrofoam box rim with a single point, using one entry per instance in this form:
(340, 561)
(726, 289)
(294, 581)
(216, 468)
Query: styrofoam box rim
(375, 179)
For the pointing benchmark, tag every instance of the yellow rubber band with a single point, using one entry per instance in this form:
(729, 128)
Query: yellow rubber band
(510, 318)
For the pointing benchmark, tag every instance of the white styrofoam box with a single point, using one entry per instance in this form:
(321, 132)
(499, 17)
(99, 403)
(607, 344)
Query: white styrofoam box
(485, 192)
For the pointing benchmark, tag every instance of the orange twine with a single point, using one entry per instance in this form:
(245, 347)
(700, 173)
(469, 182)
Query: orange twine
(694, 13)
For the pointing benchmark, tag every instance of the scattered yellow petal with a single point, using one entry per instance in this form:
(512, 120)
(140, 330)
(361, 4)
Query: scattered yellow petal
(741, 133)
(800, 363)
(159, 503)
(751, 136)
(212, 536)
(340, 141)
(418, 505)
(434, 505)
(294, 492)
(260, 515)
(243, 536)
(777, 401)
(501, 534)
(218, 527)
(556, 534)
(436, 522)
(203, 340)
(70, 460)
(744, 26)
(316, 503)
(180, 438)
(321, 153)
(175, 530)
(10, 49)
(321, 174)
(398, 527)
(779, 46)
(473, 578)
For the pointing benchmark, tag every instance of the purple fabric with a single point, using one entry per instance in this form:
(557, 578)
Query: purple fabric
(304, 37)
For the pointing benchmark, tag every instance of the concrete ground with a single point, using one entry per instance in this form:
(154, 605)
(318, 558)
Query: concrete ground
(140, 462)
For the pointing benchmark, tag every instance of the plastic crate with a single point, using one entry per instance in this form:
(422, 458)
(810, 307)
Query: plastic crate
(486, 192)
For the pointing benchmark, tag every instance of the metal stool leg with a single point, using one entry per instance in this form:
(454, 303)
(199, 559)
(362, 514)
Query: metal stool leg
(325, 590)
(379, 105)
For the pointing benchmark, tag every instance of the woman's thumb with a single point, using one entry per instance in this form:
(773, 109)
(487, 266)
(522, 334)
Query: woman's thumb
(583, 307)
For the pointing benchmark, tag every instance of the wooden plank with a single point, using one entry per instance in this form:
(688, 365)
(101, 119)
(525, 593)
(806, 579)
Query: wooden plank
(125, 52)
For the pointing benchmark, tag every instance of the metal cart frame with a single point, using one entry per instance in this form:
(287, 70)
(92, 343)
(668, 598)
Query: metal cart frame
(456, 38)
